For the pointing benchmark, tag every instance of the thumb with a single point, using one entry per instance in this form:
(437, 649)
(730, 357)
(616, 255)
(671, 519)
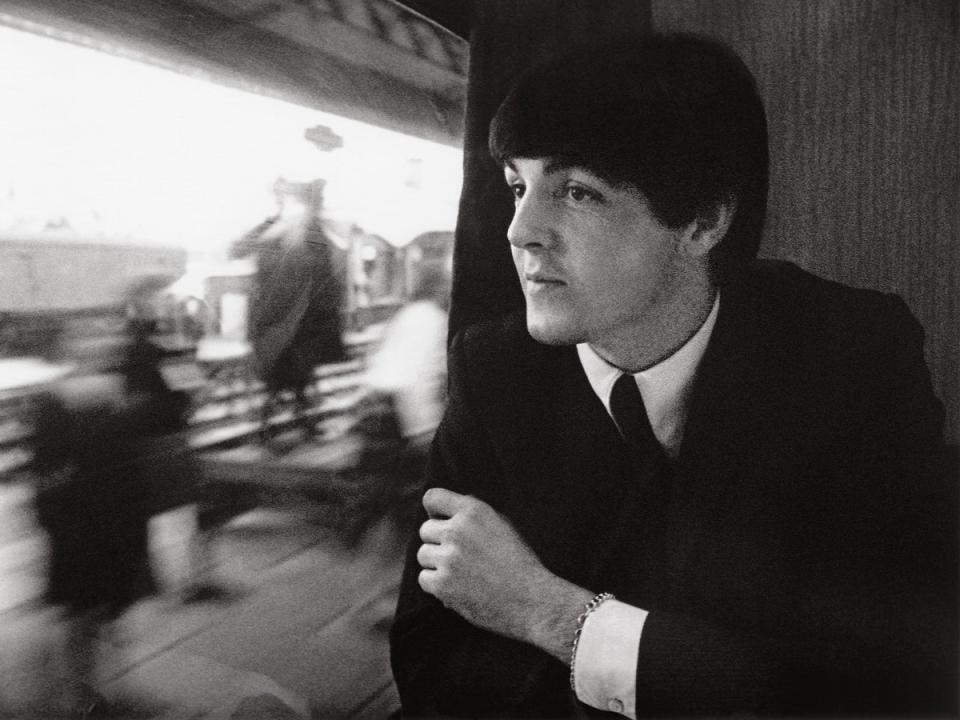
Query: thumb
(443, 503)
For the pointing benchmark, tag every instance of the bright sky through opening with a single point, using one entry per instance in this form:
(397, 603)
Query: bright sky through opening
(94, 146)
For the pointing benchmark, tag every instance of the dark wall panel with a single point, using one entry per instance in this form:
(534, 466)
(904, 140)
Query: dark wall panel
(862, 97)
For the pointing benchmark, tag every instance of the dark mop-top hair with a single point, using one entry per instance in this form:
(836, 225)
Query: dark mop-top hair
(676, 116)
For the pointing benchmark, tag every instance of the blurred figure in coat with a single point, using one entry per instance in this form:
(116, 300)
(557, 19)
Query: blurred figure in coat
(94, 502)
(295, 320)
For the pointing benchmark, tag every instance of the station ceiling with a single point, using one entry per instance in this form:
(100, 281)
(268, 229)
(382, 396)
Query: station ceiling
(397, 65)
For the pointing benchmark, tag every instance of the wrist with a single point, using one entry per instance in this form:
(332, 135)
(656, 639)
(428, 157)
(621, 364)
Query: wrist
(554, 619)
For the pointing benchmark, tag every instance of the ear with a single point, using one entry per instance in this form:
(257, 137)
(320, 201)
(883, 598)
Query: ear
(707, 229)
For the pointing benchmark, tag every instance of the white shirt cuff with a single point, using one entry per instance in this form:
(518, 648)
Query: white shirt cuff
(605, 669)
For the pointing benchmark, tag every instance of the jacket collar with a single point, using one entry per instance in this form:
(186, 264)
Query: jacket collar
(664, 387)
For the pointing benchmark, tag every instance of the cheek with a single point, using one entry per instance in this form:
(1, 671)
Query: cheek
(621, 279)
(613, 273)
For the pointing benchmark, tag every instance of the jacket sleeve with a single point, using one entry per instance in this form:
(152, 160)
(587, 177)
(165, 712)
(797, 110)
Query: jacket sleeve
(873, 625)
(444, 666)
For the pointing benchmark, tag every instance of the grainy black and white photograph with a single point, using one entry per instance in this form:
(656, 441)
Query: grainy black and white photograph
(386, 359)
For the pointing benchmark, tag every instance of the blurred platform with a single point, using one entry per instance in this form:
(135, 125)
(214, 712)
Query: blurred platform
(303, 634)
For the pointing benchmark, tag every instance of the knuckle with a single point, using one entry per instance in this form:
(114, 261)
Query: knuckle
(453, 529)
(475, 510)
(442, 579)
(453, 556)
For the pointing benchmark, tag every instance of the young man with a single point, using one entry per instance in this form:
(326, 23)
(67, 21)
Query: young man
(747, 457)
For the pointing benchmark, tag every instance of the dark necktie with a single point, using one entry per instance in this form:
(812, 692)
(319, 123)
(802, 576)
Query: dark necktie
(644, 513)
(627, 408)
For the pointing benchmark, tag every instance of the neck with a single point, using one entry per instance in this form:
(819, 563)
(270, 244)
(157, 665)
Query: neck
(661, 335)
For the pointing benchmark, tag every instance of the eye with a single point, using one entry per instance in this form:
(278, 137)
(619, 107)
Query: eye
(517, 190)
(579, 193)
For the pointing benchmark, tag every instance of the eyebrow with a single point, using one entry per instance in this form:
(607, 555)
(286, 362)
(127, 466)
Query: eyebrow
(552, 165)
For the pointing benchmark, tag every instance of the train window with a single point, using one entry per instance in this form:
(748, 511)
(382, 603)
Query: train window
(200, 264)
(163, 172)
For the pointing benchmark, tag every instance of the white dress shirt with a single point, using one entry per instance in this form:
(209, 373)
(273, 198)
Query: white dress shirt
(606, 663)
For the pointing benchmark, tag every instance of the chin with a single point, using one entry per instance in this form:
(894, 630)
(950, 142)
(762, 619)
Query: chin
(552, 331)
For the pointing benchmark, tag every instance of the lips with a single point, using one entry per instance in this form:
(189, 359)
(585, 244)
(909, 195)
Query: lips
(542, 279)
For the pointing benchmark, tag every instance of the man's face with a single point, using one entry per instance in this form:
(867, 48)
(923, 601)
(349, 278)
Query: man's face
(595, 264)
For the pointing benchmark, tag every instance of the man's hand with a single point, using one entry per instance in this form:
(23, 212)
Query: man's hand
(476, 564)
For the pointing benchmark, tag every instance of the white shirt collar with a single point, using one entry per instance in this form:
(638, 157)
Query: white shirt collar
(664, 387)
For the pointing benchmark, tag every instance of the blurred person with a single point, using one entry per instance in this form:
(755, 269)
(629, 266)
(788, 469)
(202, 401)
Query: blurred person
(157, 362)
(410, 363)
(406, 377)
(196, 319)
(111, 452)
(94, 502)
(161, 376)
(295, 314)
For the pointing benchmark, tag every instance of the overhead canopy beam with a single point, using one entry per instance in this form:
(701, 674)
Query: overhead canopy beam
(318, 53)
(456, 16)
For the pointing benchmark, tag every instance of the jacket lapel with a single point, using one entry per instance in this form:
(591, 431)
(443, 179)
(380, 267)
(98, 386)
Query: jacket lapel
(575, 473)
(732, 409)
(590, 489)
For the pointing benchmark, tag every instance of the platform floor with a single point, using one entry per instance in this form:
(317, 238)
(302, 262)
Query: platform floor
(304, 633)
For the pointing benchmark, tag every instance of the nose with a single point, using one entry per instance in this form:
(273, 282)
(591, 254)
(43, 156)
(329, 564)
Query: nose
(530, 228)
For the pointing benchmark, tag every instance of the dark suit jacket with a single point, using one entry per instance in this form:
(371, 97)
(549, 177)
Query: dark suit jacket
(802, 559)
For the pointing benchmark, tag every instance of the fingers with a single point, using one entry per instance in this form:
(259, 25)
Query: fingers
(428, 556)
(427, 579)
(432, 531)
(443, 503)
(453, 519)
